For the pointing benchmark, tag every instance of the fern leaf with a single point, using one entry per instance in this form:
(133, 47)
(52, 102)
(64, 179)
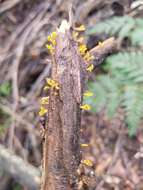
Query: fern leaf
(122, 27)
(133, 104)
(113, 25)
(99, 99)
(121, 86)
(136, 36)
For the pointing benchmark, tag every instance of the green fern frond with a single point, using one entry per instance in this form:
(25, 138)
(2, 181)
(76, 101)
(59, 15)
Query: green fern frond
(124, 26)
(133, 105)
(106, 93)
(127, 66)
(112, 93)
(99, 99)
(121, 87)
(136, 35)
(113, 25)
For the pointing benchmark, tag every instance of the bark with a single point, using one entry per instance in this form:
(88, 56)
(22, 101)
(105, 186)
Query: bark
(61, 148)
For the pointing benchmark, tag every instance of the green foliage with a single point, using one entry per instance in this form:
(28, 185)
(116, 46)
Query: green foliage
(125, 26)
(121, 86)
(4, 121)
(17, 187)
(5, 89)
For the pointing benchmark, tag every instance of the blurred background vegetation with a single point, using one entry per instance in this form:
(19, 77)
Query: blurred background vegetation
(113, 128)
(121, 84)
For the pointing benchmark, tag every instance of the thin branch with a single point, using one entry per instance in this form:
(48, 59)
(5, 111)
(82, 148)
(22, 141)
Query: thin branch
(8, 5)
(100, 52)
(20, 170)
(87, 6)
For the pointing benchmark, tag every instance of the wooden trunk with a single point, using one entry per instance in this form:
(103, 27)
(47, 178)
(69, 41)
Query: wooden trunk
(61, 146)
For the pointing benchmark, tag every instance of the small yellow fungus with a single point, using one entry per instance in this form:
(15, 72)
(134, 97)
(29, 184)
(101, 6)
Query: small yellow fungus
(101, 44)
(42, 111)
(77, 38)
(88, 94)
(46, 87)
(86, 107)
(44, 100)
(82, 49)
(84, 145)
(52, 38)
(90, 68)
(88, 162)
(50, 48)
(52, 83)
(80, 28)
(88, 56)
(75, 35)
(53, 35)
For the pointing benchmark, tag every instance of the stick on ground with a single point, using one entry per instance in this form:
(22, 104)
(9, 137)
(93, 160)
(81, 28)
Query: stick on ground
(21, 171)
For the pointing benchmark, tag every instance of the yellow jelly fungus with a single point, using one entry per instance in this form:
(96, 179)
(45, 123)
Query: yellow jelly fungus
(46, 87)
(53, 42)
(88, 162)
(88, 56)
(84, 145)
(75, 35)
(42, 111)
(53, 35)
(77, 38)
(52, 83)
(88, 94)
(50, 48)
(80, 28)
(101, 44)
(52, 38)
(86, 107)
(82, 49)
(90, 68)
(44, 100)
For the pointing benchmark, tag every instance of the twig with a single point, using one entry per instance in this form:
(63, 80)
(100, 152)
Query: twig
(15, 68)
(16, 35)
(28, 126)
(18, 146)
(100, 52)
(39, 80)
(8, 5)
(117, 150)
(22, 172)
(87, 6)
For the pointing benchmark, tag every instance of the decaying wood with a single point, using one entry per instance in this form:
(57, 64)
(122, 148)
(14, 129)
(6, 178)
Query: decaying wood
(100, 52)
(61, 146)
(62, 153)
